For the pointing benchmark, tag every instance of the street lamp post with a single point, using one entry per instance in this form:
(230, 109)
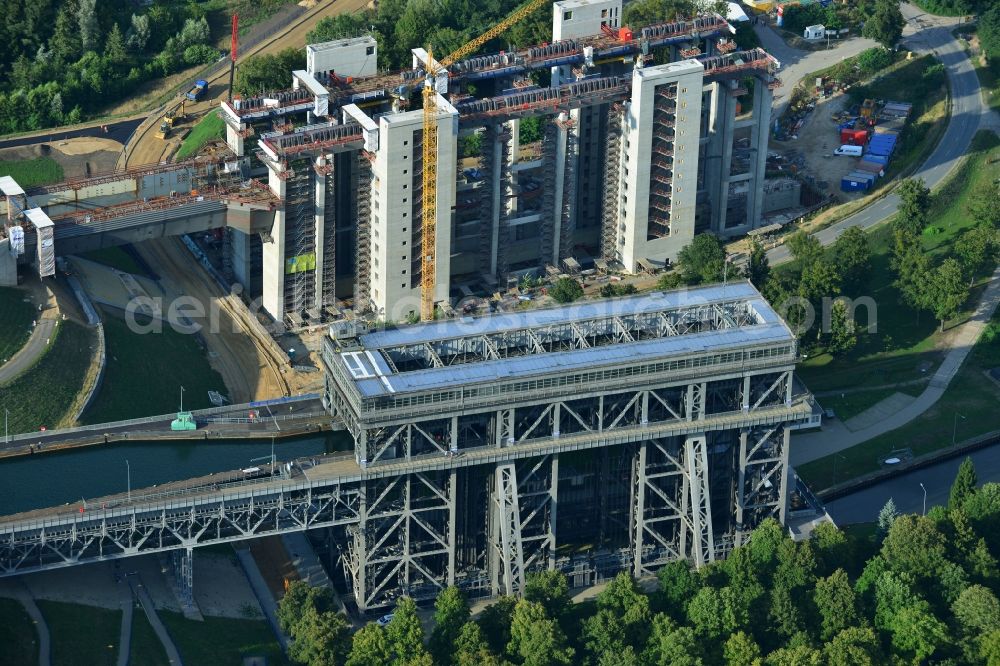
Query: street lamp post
(6, 436)
(128, 480)
(954, 427)
(924, 513)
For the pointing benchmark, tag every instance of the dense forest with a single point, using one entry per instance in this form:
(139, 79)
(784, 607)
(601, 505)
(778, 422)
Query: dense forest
(921, 590)
(66, 60)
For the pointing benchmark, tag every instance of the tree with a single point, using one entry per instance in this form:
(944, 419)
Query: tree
(138, 33)
(707, 613)
(703, 260)
(916, 546)
(261, 73)
(805, 249)
(678, 584)
(114, 47)
(340, 25)
(626, 601)
(873, 60)
(551, 590)
(671, 644)
(800, 655)
(914, 205)
(964, 484)
(641, 13)
(916, 630)
(537, 639)
(854, 646)
(741, 650)
(369, 647)
(977, 251)
(837, 604)
(292, 606)
(982, 201)
(471, 648)
(193, 32)
(451, 613)
(852, 254)
(320, 639)
(948, 290)
(758, 268)
(843, 332)
(832, 547)
(977, 610)
(913, 270)
(65, 41)
(56, 107)
(90, 31)
(496, 621)
(885, 25)
(566, 290)
(989, 32)
(404, 634)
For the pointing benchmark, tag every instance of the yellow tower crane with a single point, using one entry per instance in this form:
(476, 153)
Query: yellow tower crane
(429, 208)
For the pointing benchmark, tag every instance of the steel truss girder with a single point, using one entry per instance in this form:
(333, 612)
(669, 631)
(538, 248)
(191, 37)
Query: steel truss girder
(762, 486)
(523, 521)
(403, 542)
(572, 335)
(108, 533)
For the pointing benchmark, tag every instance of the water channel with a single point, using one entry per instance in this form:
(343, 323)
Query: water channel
(51, 479)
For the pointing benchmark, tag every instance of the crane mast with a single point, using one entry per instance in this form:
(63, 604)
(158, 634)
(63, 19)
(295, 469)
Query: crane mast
(428, 236)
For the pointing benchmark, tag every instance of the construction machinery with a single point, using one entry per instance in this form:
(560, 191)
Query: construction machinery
(232, 54)
(171, 118)
(435, 70)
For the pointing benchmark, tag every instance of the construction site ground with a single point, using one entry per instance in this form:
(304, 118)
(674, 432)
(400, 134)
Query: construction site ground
(250, 372)
(812, 151)
(77, 157)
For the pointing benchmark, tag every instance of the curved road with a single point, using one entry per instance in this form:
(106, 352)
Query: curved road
(120, 131)
(924, 33)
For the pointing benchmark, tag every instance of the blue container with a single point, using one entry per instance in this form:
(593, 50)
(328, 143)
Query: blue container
(878, 159)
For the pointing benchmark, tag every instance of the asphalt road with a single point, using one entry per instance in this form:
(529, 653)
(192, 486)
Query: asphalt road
(864, 505)
(924, 33)
(29, 354)
(120, 132)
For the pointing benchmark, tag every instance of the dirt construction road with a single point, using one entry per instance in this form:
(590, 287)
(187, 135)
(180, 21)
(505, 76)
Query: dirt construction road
(249, 373)
(145, 148)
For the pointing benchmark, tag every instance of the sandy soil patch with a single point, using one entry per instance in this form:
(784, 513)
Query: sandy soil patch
(85, 145)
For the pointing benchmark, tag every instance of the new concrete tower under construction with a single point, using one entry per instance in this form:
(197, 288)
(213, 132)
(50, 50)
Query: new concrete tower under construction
(637, 141)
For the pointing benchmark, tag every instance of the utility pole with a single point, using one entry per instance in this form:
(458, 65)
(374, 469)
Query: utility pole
(954, 427)
(6, 436)
(128, 480)
(232, 54)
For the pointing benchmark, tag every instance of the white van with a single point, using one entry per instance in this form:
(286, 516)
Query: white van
(853, 151)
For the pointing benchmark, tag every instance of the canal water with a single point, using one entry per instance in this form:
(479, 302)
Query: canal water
(51, 479)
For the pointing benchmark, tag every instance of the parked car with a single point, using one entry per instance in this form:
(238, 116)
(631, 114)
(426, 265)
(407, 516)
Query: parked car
(384, 620)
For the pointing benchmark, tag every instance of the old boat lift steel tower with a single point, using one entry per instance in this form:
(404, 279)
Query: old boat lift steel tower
(610, 435)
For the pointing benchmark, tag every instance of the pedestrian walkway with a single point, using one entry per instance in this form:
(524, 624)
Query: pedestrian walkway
(878, 412)
(264, 596)
(173, 655)
(41, 337)
(125, 637)
(17, 589)
(835, 437)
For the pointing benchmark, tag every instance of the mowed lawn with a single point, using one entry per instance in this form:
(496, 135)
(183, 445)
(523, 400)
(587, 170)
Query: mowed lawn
(145, 373)
(219, 640)
(33, 172)
(18, 637)
(82, 635)
(53, 383)
(15, 321)
(209, 128)
(905, 345)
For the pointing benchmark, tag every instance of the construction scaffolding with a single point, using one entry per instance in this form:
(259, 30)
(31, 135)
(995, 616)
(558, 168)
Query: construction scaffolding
(363, 257)
(611, 209)
(661, 169)
(300, 241)
(567, 222)
(550, 152)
